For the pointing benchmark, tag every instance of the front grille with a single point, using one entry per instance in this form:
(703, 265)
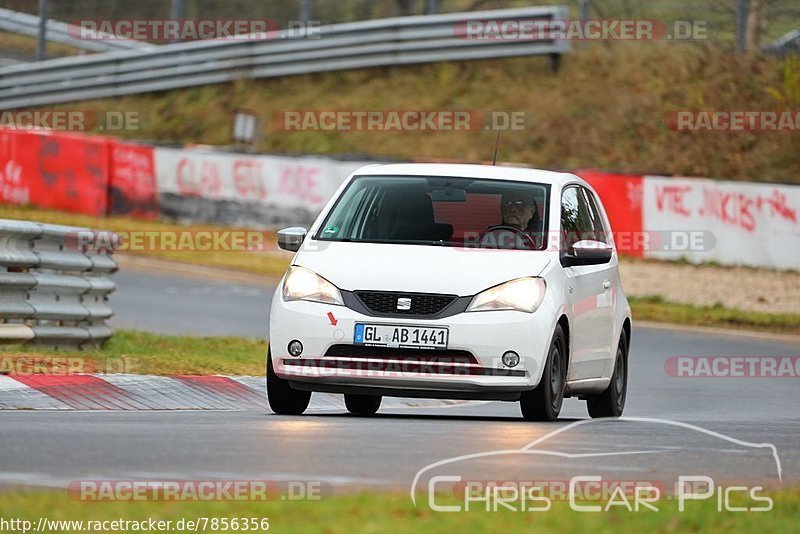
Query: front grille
(395, 353)
(422, 304)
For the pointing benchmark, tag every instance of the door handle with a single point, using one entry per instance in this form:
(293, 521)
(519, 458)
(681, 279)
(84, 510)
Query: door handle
(607, 285)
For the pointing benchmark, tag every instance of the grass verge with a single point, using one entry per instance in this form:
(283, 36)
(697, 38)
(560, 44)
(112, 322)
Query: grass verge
(394, 512)
(26, 46)
(153, 354)
(656, 308)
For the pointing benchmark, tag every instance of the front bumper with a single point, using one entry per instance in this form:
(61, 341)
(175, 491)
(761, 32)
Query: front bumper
(486, 335)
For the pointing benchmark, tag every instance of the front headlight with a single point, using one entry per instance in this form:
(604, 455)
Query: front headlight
(302, 284)
(522, 294)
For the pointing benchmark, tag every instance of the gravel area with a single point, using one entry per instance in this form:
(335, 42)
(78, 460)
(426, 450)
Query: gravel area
(733, 287)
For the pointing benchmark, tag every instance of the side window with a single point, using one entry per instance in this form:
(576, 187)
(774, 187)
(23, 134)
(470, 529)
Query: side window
(569, 218)
(576, 219)
(600, 230)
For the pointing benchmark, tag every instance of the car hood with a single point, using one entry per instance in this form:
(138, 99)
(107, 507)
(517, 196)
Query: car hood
(417, 268)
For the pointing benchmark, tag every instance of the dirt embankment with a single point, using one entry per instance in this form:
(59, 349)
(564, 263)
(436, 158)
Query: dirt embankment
(704, 285)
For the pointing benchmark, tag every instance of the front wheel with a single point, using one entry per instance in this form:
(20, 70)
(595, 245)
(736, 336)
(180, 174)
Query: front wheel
(611, 402)
(544, 402)
(362, 404)
(282, 398)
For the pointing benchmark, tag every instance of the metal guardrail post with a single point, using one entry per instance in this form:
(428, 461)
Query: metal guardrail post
(177, 11)
(306, 10)
(41, 48)
(60, 32)
(742, 8)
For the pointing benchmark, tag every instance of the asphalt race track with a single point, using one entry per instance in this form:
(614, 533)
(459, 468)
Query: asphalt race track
(174, 304)
(53, 448)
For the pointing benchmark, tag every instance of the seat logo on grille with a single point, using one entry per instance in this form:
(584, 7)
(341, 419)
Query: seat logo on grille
(404, 303)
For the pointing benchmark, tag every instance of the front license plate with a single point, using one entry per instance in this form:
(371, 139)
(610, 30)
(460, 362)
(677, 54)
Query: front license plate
(385, 335)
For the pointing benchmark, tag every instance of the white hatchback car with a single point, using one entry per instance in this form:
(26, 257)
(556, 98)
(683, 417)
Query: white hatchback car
(452, 281)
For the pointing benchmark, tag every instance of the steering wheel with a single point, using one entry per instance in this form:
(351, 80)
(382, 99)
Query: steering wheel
(508, 228)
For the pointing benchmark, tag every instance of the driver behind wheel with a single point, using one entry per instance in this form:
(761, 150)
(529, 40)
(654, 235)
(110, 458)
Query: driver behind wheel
(518, 210)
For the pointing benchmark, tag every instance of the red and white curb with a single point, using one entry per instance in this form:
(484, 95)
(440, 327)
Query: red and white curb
(146, 392)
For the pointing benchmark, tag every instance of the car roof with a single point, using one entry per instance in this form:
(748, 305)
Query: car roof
(522, 174)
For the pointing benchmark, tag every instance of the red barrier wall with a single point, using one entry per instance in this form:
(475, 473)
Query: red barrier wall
(54, 170)
(622, 196)
(132, 182)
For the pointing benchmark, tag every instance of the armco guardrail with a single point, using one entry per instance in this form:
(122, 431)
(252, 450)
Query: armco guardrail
(375, 43)
(52, 292)
(788, 44)
(59, 32)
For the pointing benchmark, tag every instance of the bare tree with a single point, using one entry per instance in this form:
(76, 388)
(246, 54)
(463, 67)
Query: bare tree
(756, 25)
(759, 13)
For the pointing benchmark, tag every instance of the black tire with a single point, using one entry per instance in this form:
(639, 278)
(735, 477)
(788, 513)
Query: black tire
(544, 402)
(282, 398)
(362, 404)
(611, 402)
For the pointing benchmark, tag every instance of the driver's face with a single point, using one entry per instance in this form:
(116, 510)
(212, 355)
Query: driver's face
(517, 211)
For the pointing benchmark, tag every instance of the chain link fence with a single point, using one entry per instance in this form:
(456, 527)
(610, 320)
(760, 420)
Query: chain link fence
(775, 17)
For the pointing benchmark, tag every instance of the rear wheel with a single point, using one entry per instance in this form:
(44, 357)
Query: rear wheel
(282, 398)
(362, 404)
(544, 402)
(611, 402)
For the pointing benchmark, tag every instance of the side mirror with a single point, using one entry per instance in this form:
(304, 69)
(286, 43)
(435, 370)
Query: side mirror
(291, 238)
(587, 252)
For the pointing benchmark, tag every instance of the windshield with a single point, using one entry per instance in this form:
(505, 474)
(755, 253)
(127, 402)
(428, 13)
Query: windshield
(441, 211)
